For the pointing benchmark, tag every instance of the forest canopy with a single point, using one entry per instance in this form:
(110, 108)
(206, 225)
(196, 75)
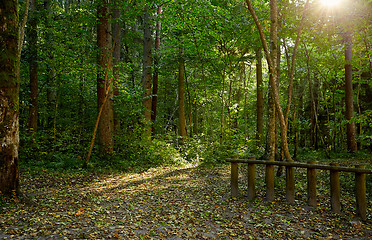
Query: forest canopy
(161, 81)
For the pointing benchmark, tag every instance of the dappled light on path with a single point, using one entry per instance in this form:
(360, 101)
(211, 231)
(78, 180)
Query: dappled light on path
(187, 202)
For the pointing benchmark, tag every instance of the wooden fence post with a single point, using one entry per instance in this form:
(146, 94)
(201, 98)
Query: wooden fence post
(251, 181)
(360, 193)
(290, 184)
(270, 183)
(234, 179)
(311, 185)
(335, 189)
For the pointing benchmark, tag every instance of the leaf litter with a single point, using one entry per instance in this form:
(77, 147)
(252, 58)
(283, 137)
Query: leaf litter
(184, 202)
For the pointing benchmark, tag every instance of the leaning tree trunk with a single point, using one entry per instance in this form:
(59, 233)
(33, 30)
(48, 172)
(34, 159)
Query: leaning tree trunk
(272, 65)
(9, 96)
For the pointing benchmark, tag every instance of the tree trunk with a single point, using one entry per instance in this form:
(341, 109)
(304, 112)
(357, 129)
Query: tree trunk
(293, 60)
(105, 126)
(260, 99)
(33, 65)
(222, 131)
(9, 97)
(51, 74)
(181, 96)
(271, 143)
(349, 111)
(238, 95)
(272, 63)
(189, 106)
(116, 56)
(22, 34)
(155, 78)
(313, 103)
(147, 73)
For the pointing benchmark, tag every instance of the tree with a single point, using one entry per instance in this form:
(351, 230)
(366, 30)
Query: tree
(105, 127)
(271, 57)
(116, 55)
(181, 95)
(9, 96)
(52, 97)
(260, 99)
(147, 72)
(349, 105)
(33, 66)
(272, 61)
(155, 78)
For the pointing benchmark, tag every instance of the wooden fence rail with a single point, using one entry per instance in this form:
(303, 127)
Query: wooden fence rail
(334, 169)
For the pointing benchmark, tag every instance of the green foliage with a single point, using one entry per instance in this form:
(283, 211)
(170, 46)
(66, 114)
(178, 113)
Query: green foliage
(217, 36)
(365, 120)
(43, 150)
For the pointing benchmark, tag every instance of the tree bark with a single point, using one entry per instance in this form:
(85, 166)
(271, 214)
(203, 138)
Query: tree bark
(293, 60)
(189, 106)
(271, 139)
(259, 96)
(116, 56)
(181, 96)
(272, 70)
(22, 35)
(33, 66)
(147, 73)
(51, 74)
(9, 97)
(349, 106)
(155, 78)
(105, 126)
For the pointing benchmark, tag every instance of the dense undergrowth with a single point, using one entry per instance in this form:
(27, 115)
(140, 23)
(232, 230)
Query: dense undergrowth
(65, 150)
(63, 153)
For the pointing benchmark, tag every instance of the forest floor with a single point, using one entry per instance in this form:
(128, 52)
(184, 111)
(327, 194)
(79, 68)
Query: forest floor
(185, 202)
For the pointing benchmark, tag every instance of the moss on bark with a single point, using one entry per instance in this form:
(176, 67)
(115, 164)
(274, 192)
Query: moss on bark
(9, 95)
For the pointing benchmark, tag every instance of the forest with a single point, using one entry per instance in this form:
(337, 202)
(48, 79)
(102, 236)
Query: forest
(117, 117)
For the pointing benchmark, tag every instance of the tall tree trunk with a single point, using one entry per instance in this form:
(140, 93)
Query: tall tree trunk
(229, 107)
(9, 97)
(189, 106)
(147, 73)
(181, 96)
(245, 100)
(349, 111)
(105, 126)
(51, 74)
(22, 35)
(222, 131)
(259, 96)
(313, 102)
(293, 60)
(272, 63)
(116, 56)
(33, 65)
(273, 79)
(155, 78)
(238, 95)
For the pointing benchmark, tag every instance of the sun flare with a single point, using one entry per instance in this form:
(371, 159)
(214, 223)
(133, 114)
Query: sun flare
(330, 3)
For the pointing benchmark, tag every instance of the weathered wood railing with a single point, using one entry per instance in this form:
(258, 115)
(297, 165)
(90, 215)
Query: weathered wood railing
(334, 169)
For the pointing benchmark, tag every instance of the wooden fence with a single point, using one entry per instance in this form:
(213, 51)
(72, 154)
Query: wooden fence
(334, 169)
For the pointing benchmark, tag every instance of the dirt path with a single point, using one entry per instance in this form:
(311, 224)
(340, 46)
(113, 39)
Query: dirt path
(187, 202)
